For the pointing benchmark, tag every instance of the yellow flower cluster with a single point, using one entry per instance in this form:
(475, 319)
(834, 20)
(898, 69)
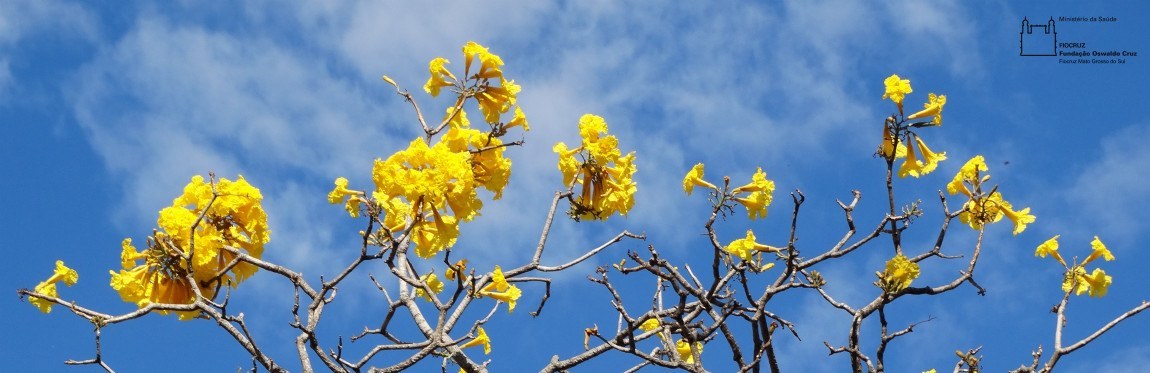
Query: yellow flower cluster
(495, 94)
(760, 188)
(900, 142)
(605, 174)
(983, 208)
(48, 287)
(899, 273)
(227, 213)
(1096, 283)
(433, 186)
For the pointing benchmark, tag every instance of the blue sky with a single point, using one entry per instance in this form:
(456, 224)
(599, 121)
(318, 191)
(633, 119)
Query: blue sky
(108, 111)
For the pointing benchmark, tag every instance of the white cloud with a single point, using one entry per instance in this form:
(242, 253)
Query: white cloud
(1109, 194)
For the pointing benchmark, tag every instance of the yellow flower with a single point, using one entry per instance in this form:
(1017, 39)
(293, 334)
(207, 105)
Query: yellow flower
(452, 271)
(440, 76)
(982, 210)
(898, 275)
(929, 159)
(341, 194)
(759, 183)
(590, 127)
(499, 289)
(61, 273)
(649, 325)
(915, 167)
(46, 288)
(685, 352)
(896, 89)
(1099, 282)
(496, 100)
(432, 282)
(695, 178)
(1050, 247)
(746, 247)
(1099, 250)
(889, 149)
(970, 173)
(931, 108)
(480, 339)
(489, 63)
(128, 254)
(518, 120)
(567, 163)
(142, 286)
(989, 209)
(756, 204)
(1096, 284)
(1020, 218)
(911, 166)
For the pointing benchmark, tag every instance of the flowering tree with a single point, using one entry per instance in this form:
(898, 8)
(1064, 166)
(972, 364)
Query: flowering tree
(212, 238)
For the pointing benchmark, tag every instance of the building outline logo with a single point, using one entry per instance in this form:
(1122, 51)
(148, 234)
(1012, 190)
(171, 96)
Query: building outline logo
(1043, 43)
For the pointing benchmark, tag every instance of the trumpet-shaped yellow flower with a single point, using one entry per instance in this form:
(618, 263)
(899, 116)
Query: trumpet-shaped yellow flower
(61, 274)
(129, 255)
(519, 119)
(568, 166)
(685, 352)
(759, 183)
(499, 289)
(930, 159)
(480, 339)
(694, 178)
(1098, 250)
(898, 275)
(509, 296)
(1020, 218)
(932, 108)
(341, 194)
(911, 166)
(746, 247)
(1099, 282)
(896, 89)
(1050, 247)
(432, 282)
(916, 167)
(756, 204)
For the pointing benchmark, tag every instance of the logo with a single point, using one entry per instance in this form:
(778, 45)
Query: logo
(1093, 40)
(1038, 40)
